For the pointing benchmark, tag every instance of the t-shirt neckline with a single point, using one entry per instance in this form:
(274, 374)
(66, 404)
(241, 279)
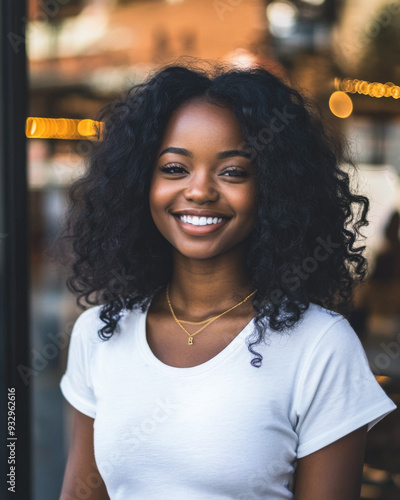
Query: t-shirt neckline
(192, 370)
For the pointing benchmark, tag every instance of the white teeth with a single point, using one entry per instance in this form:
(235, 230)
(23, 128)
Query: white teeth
(200, 221)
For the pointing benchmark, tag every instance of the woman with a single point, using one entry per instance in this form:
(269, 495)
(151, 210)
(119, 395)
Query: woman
(215, 234)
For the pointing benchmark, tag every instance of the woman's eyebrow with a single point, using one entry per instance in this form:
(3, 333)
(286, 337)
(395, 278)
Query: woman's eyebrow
(233, 152)
(221, 156)
(178, 151)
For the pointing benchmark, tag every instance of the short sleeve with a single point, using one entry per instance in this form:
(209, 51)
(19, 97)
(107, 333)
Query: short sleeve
(336, 392)
(76, 383)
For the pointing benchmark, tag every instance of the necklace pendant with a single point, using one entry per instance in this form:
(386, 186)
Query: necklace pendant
(190, 341)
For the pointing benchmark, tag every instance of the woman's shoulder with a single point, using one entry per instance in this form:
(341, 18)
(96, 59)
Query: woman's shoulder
(320, 315)
(89, 322)
(316, 323)
(90, 315)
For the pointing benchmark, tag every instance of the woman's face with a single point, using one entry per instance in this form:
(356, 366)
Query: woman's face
(203, 192)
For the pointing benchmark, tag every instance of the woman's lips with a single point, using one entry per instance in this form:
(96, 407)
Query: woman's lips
(199, 230)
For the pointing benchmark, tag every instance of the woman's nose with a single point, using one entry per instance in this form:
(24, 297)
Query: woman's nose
(201, 189)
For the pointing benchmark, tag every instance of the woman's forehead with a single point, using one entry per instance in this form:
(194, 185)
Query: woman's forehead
(200, 120)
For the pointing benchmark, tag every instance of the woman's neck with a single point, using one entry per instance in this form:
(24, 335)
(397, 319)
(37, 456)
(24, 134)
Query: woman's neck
(200, 288)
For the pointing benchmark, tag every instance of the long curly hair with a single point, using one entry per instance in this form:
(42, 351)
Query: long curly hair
(305, 246)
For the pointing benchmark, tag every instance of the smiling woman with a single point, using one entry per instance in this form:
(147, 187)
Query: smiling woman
(236, 233)
(209, 172)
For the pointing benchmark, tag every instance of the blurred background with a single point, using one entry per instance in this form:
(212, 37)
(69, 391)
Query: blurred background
(83, 53)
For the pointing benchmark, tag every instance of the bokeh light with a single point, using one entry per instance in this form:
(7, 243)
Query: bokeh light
(61, 128)
(340, 104)
(282, 18)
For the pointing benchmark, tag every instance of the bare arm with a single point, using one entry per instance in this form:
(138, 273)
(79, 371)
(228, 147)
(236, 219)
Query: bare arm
(82, 478)
(333, 472)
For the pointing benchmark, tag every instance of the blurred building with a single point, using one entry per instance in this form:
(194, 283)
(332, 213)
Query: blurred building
(90, 51)
(83, 54)
(321, 42)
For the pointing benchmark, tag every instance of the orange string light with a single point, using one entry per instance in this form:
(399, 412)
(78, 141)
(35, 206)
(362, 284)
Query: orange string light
(372, 89)
(62, 128)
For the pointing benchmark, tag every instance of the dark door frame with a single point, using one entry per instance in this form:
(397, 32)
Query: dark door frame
(14, 309)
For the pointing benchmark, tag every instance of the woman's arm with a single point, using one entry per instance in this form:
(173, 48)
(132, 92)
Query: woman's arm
(82, 478)
(333, 472)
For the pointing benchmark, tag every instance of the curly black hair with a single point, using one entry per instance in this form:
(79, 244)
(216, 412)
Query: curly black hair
(305, 244)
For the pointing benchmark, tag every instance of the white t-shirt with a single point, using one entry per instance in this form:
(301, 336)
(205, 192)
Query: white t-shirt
(222, 429)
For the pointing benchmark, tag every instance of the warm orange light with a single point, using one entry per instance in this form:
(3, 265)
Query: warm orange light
(52, 127)
(388, 88)
(86, 128)
(382, 379)
(34, 127)
(395, 92)
(374, 89)
(61, 128)
(340, 104)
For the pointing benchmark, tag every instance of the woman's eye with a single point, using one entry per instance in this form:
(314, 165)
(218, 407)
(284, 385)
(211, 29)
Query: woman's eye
(235, 172)
(172, 169)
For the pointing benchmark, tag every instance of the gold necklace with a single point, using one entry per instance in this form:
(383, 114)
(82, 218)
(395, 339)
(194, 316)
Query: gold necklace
(207, 321)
